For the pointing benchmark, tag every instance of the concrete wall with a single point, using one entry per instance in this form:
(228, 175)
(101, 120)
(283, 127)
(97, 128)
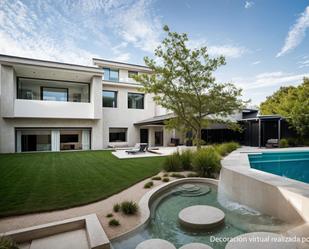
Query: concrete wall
(8, 90)
(123, 117)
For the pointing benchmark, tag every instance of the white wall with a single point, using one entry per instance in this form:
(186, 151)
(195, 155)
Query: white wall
(123, 117)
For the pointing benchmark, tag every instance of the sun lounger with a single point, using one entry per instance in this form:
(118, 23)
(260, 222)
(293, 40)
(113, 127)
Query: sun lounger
(272, 143)
(138, 148)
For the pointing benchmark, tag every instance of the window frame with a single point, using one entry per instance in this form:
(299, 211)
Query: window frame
(130, 72)
(48, 87)
(116, 96)
(18, 78)
(109, 134)
(109, 74)
(143, 101)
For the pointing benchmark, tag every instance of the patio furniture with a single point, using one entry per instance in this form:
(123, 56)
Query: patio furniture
(272, 143)
(138, 148)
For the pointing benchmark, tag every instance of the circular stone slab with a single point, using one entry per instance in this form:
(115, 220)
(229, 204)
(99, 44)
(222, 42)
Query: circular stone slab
(188, 186)
(195, 246)
(201, 217)
(155, 244)
(260, 240)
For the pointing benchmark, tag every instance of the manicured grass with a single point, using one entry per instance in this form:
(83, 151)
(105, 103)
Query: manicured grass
(48, 181)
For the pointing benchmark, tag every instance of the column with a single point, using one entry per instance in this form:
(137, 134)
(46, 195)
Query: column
(85, 139)
(55, 140)
(18, 141)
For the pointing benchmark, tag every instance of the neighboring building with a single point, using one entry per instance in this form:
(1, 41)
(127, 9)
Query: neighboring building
(51, 106)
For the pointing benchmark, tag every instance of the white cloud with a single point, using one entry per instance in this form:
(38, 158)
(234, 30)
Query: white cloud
(226, 50)
(23, 32)
(270, 79)
(248, 4)
(304, 63)
(296, 34)
(256, 62)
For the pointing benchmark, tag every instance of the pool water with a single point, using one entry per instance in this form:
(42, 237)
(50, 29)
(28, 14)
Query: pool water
(164, 220)
(294, 165)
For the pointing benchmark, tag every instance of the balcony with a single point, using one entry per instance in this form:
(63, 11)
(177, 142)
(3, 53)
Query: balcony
(25, 108)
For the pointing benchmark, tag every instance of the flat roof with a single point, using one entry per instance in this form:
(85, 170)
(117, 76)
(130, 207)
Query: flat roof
(125, 65)
(10, 59)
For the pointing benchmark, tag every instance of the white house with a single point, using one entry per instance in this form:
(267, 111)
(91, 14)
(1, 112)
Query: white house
(52, 106)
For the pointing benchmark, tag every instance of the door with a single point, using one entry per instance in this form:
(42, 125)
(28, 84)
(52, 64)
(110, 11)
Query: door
(144, 136)
(158, 138)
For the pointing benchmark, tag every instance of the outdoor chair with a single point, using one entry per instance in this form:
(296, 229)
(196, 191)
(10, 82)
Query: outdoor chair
(272, 143)
(138, 148)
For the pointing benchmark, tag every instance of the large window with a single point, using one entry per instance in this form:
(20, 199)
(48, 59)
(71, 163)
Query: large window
(51, 90)
(111, 74)
(55, 94)
(135, 100)
(118, 134)
(109, 99)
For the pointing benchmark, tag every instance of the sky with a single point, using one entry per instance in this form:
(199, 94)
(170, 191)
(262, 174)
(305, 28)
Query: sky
(265, 42)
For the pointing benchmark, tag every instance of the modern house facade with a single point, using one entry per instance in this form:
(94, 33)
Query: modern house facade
(51, 106)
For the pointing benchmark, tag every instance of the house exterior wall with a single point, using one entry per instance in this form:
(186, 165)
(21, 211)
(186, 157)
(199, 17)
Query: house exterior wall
(123, 117)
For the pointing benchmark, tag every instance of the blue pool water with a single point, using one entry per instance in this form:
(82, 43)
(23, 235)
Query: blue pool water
(294, 165)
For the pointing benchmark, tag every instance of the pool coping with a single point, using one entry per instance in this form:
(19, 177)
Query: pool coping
(148, 198)
(238, 163)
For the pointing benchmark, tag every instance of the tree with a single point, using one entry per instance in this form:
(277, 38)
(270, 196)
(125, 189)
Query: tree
(291, 103)
(183, 82)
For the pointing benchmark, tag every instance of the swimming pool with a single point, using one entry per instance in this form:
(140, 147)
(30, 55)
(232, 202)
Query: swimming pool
(294, 165)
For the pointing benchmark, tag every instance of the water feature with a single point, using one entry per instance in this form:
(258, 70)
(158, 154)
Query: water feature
(164, 222)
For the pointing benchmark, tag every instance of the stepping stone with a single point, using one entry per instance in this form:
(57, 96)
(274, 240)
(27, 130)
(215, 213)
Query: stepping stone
(155, 244)
(260, 240)
(195, 246)
(188, 186)
(201, 217)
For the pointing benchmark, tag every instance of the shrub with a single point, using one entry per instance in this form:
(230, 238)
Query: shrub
(165, 179)
(206, 162)
(177, 175)
(7, 243)
(148, 185)
(156, 178)
(109, 215)
(129, 207)
(283, 143)
(172, 162)
(113, 223)
(165, 175)
(226, 148)
(186, 160)
(192, 175)
(116, 207)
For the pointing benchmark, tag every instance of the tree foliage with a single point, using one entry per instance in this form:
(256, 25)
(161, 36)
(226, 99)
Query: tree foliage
(182, 82)
(293, 104)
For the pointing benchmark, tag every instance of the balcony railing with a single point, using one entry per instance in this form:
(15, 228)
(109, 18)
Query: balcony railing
(53, 109)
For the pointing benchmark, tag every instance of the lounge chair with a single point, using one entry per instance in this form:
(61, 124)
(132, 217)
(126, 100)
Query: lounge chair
(272, 143)
(138, 148)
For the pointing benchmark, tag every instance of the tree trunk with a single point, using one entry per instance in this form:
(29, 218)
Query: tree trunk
(198, 138)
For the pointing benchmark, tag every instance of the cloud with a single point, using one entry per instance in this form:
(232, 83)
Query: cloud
(226, 50)
(304, 63)
(256, 62)
(248, 4)
(270, 79)
(132, 21)
(25, 32)
(296, 34)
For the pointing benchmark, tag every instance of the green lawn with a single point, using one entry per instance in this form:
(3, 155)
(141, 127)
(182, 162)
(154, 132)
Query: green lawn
(48, 181)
